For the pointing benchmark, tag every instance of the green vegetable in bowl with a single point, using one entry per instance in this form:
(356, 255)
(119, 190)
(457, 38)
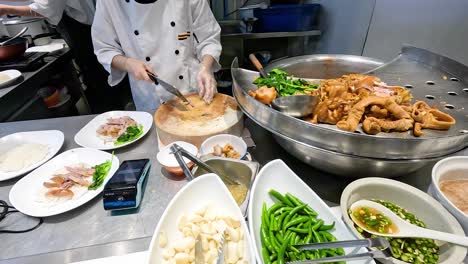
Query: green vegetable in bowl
(132, 133)
(100, 173)
(411, 250)
(284, 84)
(291, 222)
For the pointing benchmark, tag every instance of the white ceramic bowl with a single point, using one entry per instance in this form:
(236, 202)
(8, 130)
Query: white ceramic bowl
(278, 176)
(459, 168)
(188, 200)
(168, 160)
(426, 208)
(237, 142)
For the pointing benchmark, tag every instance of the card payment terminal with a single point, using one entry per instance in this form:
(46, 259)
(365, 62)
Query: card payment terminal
(125, 189)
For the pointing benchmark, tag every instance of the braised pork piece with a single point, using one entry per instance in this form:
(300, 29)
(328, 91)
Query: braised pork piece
(356, 99)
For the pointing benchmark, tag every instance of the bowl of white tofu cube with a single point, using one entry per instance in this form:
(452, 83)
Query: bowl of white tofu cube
(203, 225)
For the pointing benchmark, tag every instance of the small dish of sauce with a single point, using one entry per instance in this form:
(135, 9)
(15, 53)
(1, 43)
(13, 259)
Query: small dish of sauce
(457, 192)
(374, 220)
(239, 192)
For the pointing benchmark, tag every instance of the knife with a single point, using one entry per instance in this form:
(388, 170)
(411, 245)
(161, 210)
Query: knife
(199, 259)
(168, 87)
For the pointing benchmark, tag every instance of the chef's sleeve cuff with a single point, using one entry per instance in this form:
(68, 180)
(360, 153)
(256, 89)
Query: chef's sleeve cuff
(46, 12)
(105, 58)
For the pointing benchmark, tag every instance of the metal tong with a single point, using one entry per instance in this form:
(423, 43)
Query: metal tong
(168, 87)
(180, 152)
(382, 255)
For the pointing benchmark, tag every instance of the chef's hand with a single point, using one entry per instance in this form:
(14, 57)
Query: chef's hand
(138, 69)
(206, 83)
(134, 67)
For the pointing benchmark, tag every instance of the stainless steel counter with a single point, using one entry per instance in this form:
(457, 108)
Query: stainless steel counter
(90, 232)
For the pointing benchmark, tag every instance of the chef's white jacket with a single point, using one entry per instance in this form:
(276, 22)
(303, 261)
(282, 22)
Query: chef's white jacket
(150, 32)
(80, 10)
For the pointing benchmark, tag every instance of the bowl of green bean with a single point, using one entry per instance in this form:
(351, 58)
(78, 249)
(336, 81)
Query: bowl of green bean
(414, 206)
(285, 212)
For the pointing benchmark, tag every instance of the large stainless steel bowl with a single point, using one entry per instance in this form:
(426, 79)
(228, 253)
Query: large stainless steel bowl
(357, 154)
(397, 146)
(347, 165)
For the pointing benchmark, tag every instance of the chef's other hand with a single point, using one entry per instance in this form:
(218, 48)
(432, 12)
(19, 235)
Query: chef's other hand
(138, 69)
(206, 83)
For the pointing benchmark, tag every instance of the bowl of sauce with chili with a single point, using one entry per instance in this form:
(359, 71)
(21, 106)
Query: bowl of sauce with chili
(374, 220)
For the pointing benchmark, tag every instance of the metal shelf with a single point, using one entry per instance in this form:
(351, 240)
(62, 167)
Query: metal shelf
(272, 34)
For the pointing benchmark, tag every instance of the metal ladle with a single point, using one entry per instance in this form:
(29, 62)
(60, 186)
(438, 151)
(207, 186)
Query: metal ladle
(180, 152)
(296, 105)
(293, 105)
(14, 37)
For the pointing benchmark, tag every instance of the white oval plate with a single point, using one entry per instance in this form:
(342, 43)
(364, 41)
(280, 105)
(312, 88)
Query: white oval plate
(13, 74)
(278, 176)
(24, 194)
(188, 200)
(50, 48)
(88, 138)
(52, 138)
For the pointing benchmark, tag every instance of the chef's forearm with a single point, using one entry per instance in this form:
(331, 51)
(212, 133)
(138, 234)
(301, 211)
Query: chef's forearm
(208, 61)
(119, 62)
(19, 10)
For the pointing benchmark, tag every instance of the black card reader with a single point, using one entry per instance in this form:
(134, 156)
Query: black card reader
(125, 189)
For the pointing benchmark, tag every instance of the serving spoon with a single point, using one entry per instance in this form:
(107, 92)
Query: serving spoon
(294, 105)
(405, 229)
(14, 37)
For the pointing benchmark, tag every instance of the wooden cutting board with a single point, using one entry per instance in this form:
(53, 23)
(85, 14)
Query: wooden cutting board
(176, 121)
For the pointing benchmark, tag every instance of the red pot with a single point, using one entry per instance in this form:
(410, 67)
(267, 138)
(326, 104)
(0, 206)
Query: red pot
(13, 49)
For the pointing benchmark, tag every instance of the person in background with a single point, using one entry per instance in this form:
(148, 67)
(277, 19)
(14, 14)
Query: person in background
(73, 19)
(179, 41)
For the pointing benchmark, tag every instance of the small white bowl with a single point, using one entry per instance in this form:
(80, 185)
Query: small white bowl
(206, 190)
(237, 143)
(168, 160)
(439, 172)
(423, 206)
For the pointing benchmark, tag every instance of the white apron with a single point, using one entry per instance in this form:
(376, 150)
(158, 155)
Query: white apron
(161, 34)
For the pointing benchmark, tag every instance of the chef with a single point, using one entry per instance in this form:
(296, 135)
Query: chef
(73, 19)
(178, 40)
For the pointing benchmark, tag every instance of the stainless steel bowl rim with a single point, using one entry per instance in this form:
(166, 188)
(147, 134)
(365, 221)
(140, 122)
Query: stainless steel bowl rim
(286, 61)
(20, 21)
